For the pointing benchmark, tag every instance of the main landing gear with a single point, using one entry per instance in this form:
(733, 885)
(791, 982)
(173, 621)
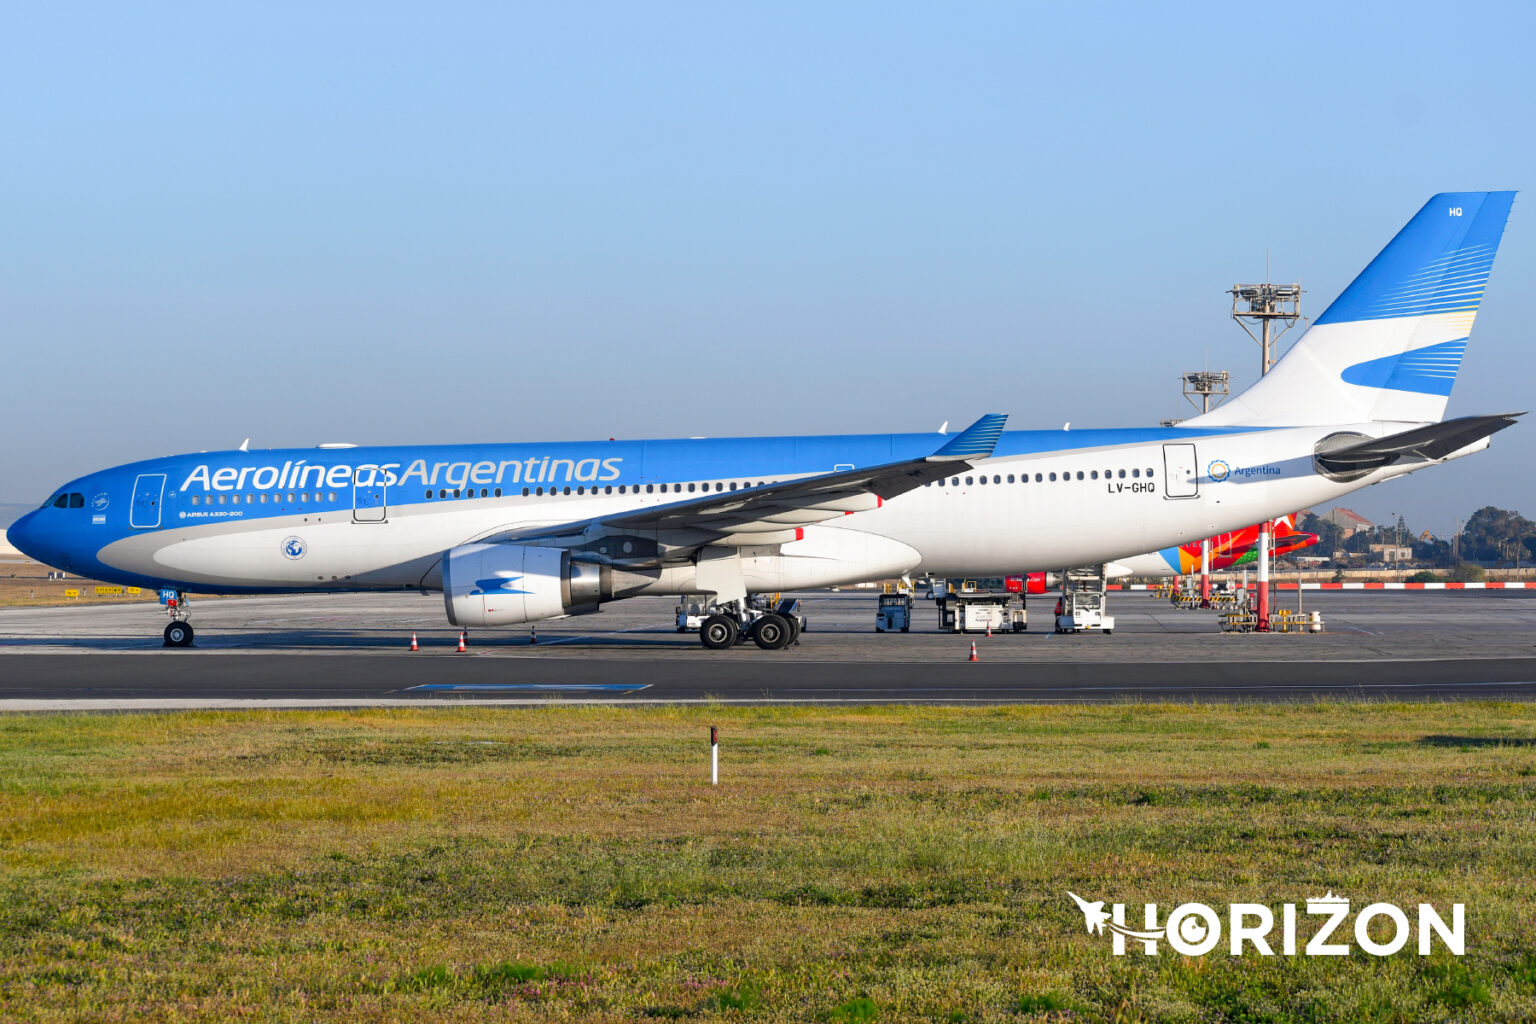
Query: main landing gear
(730, 624)
(179, 632)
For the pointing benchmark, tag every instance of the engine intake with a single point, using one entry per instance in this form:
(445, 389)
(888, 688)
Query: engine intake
(504, 584)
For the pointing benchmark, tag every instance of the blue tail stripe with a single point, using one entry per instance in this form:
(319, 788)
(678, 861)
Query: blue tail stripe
(1428, 371)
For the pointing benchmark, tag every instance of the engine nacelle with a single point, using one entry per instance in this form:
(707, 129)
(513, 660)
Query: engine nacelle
(504, 584)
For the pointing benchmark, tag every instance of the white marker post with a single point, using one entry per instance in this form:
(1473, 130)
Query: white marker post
(714, 756)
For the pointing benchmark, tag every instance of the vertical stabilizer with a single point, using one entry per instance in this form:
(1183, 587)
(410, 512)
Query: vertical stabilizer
(1389, 347)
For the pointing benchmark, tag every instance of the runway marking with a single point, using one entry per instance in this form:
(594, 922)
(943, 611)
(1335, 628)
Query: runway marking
(541, 687)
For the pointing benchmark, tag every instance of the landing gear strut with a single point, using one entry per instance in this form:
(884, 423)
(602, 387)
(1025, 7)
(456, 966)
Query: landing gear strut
(179, 632)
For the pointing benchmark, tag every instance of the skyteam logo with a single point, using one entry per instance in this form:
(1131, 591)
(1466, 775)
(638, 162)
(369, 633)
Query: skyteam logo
(294, 547)
(1194, 929)
(498, 585)
(1219, 470)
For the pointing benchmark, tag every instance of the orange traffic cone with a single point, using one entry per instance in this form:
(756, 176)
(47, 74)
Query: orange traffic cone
(414, 645)
(462, 646)
(989, 631)
(973, 651)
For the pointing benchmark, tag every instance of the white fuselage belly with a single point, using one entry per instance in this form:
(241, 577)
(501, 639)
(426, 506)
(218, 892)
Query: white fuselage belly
(950, 529)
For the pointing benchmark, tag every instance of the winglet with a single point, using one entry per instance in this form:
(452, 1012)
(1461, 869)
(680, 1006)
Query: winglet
(975, 441)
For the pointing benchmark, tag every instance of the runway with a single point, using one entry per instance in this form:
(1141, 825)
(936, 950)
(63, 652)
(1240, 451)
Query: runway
(350, 650)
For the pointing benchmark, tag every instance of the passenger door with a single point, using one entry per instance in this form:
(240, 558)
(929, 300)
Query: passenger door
(148, 494)
(368, 500)
(1181, 471)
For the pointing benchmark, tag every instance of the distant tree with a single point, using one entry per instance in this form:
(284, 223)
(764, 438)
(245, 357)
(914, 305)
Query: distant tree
(1424, 576)
(1433, 551)
(1466, 572)
(1495, 534)
(1327, 532)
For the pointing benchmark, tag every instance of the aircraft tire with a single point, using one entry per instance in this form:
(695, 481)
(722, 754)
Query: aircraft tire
(178, 634)
(771, 632)
(719, 633)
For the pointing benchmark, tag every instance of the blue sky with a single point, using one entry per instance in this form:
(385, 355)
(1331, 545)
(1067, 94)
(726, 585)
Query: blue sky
(385, 223)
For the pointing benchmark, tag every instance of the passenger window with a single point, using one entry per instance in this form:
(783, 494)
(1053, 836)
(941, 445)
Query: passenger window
(970, 480)
(1053, 478)
(1010, 478)
(1037, 478)
(234, 499)
(1136, 473)
(690, 488)
(955, 482)
(1122, 474)
(221, 499)
(649, 488)
(498, 492)
(997, 479)
(1095, 474)
(525, 492)
(733, 485)
(304, 497)
(457, 493)
(567, 490)
(983, 479)
(1149, 474)
(482, 492)
(194, 499)
(264, 497)
(539, 490)
(1079, 474)
(582, 489)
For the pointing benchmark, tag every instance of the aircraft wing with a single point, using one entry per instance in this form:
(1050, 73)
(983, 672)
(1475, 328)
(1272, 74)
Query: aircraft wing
(760, 515)
(1435, 441)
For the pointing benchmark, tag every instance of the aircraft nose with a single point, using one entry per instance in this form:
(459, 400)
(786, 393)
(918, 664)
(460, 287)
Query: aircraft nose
(22, 535)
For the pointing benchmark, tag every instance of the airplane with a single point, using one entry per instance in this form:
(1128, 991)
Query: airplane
(516, 533)
(1228, 551)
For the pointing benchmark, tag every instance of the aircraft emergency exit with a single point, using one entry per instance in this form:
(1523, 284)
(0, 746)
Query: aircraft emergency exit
(514, 533)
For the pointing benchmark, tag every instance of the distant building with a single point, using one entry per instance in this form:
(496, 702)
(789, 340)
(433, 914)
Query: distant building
(1347, 520)
(1389, 553)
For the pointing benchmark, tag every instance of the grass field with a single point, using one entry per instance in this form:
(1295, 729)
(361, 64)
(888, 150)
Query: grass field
(853, 865)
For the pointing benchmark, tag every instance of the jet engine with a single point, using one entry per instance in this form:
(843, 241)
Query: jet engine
(504, 584)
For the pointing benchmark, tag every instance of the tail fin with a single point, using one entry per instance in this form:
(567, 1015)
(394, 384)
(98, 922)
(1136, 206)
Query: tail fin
(1390, 345)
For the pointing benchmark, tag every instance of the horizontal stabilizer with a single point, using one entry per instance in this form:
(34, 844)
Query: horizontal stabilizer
(1433, 442)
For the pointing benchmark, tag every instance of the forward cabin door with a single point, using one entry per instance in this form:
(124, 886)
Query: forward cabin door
(148, 493)
(369, 499)
(1181, 472)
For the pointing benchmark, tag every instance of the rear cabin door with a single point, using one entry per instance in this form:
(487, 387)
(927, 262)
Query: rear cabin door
(1181, 474)
(148, 494)
(368, 500)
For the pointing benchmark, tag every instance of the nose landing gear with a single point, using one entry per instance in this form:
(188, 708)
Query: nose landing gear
(179, 632)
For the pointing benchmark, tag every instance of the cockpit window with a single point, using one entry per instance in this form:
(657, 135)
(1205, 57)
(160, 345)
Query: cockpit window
(49, 500)
(62, 501)
(77, 501)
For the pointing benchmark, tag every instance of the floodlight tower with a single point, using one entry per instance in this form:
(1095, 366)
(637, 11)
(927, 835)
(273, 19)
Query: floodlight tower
(1264, 306)
(1201, 386)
